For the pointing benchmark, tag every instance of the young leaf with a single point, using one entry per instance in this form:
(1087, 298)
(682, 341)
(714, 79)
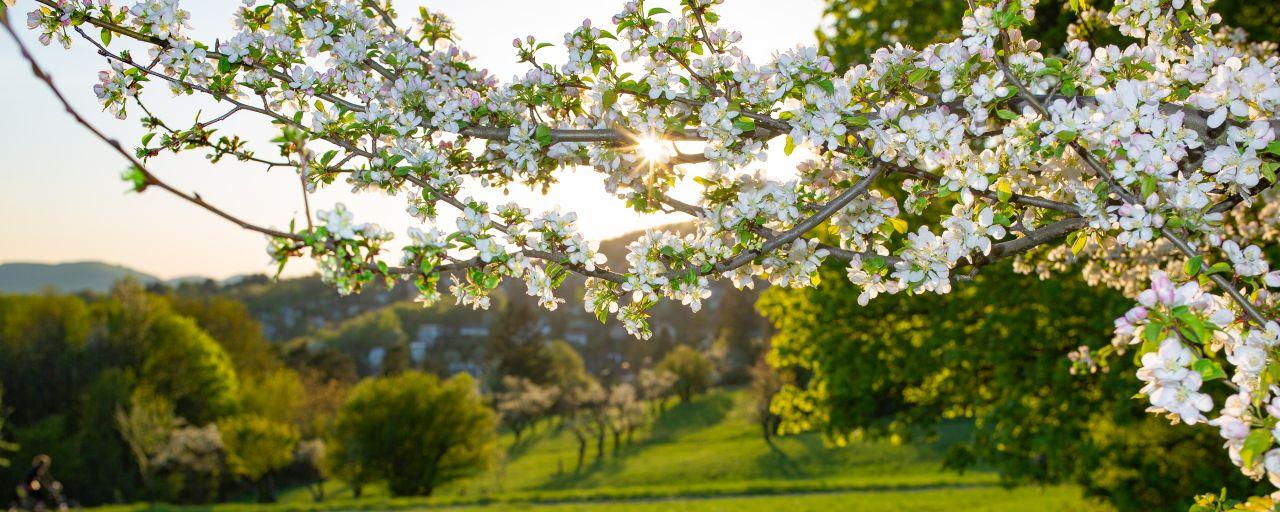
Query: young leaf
(1192, 266)
(1208, 369)
(543, 134)
(1258, 442)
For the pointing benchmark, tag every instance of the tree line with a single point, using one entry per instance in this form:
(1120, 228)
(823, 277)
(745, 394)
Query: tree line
(174, 397)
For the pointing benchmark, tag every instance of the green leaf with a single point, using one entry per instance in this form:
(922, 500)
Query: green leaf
(135, 177)
(898, 225)
(1004, 191)
(146, 139)
(1152, 331)
(1066, 135)
(744, 123)
(1269, 170)
(827, 85)
(1274, 147)
(917, 75)
(1193, 265)
(105, 35)
(543, 135)
(1007, 115)
(1220, 266)
(790, 146)
(658, 10)
(1208, 369)
(1079, 245)
(1258, 442)
(1148, 186)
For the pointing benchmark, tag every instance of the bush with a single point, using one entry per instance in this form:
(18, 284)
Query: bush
(256, 446)
(414, 431)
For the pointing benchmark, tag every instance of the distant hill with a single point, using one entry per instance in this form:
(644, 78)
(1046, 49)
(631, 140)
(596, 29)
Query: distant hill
(65, 277)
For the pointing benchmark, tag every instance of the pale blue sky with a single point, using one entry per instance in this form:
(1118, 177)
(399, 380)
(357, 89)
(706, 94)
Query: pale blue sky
(61, 198)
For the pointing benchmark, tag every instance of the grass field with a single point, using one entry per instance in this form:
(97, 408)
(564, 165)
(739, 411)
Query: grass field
(708, 455)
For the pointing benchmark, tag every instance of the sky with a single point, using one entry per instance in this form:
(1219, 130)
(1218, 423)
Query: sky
(61, 198)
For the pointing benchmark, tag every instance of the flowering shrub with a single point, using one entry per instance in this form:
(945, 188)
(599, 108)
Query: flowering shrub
(1155, 159)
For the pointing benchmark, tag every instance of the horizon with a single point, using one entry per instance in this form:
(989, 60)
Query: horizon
(75, 208)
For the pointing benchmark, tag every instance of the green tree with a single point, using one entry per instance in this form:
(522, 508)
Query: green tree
(277, 395)
(691, 368)
(516, 347)
(6, 446)
(189, 368)
(229, 322)
(415, 431)
(257, 446)
(358, 336)
(852, 30)
(108, 465)
(565, 369)
(44, 342)
(994, 351)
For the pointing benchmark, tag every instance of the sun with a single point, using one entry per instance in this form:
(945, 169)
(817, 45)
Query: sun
(653, 148)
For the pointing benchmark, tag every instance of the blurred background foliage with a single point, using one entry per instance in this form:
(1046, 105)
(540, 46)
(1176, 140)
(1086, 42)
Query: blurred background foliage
(852, 30)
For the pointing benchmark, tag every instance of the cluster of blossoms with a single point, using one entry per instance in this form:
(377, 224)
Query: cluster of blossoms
(1156, 159)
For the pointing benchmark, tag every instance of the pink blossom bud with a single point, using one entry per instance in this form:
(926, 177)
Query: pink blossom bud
(1135, 315)
(1163, 287)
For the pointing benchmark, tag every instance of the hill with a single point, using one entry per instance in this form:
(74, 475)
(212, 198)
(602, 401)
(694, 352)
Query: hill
(82, 276)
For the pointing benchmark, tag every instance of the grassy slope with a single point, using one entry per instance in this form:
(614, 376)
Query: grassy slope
(700, 457)
(712, 443)
(710, 448)
(974, 500)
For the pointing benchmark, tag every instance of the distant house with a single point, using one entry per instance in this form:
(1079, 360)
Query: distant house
(428, 334)
(376, 356)
(576, 338)
(577, 333)
(474, 331)
(418, 351)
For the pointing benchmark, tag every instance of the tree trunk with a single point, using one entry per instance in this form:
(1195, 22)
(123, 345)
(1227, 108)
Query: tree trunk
(599, 442)
(267, 488)
(316, 488)
(617, 441)
(582, 453)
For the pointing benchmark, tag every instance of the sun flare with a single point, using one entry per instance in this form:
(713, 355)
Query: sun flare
(653, 148)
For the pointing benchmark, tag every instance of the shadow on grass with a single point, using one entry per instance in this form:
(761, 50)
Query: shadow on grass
(776, 462)
(540, 430)
(702, 412)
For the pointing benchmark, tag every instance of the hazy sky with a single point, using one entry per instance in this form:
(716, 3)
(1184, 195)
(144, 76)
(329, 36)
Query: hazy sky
(61, 198)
